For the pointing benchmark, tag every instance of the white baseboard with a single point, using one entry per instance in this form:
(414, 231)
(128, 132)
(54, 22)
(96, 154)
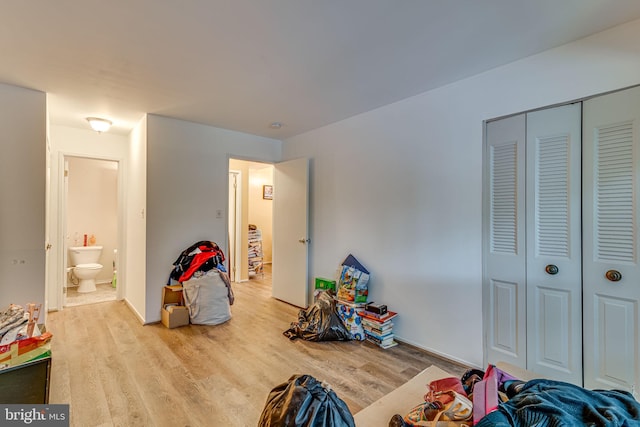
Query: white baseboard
(438, 353)
(135, 312)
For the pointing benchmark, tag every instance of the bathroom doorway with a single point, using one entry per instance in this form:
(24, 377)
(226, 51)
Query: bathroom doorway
(90, 218)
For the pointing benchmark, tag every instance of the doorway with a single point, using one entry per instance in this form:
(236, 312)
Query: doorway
(90, 218)
(250, 220)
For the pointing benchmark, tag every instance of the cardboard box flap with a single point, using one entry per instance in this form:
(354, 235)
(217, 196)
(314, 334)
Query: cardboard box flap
(172, 295)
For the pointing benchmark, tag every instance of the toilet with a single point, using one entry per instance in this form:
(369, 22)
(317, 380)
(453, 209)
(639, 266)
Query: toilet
(84, 262)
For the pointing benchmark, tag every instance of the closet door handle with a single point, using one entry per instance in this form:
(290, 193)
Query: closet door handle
(551, 269)
(613, 275)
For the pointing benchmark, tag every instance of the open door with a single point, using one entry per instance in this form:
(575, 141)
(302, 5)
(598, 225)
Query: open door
(290, 232)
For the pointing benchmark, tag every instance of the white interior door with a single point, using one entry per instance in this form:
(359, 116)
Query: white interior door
(504, 278)
(611, 274)
(554, 244)
(290, 232)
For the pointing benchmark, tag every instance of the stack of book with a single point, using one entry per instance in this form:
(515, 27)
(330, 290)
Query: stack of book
(255, 250)
(378, 328)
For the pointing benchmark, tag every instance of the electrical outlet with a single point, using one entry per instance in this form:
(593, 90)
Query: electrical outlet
(218, 213)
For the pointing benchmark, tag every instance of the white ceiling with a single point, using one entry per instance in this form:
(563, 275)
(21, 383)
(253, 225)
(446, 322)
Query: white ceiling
(242, 64)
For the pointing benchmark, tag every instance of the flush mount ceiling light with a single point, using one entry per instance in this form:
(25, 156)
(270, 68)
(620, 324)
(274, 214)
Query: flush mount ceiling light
(275, 125)
(98, 124)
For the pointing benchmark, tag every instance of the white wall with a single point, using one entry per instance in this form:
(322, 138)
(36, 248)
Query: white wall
(131, 268)
(92, 209)
(22, 190)
(187, 181)
(400, 187)
(68, 141)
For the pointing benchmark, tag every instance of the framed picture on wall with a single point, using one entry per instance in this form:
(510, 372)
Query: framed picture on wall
(267, 192)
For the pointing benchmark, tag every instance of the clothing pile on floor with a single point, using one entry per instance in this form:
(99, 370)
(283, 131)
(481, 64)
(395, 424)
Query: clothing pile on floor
(495, 398)
(196, 260)
(207, 289)
(545, 402)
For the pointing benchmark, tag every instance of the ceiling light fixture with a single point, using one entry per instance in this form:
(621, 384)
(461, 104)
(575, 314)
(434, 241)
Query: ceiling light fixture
(275, 125)
(98, 124)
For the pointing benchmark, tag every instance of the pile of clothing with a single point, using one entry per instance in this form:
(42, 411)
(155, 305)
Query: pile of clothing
(206, 286)
(197, 259)
(495, 398)
(547, 402)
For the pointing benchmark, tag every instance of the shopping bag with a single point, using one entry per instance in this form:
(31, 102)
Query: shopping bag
(486, 392)
(353, 280)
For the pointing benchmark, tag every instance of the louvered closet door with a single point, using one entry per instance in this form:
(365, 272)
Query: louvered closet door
(611, 275)
(504, 289)
(554, 245)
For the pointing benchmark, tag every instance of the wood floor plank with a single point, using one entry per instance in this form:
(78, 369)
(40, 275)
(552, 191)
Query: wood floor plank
(114, 371)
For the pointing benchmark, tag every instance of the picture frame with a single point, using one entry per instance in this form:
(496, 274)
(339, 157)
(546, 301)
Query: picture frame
(267, 192)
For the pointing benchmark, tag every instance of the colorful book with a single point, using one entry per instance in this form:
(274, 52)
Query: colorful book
(377, 331)
(377, 325)
(379, 336)
(380, 342)
(379, 318)
(392, 344)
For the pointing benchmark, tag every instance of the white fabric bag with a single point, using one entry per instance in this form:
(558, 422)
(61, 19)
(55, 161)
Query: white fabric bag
(207, 299)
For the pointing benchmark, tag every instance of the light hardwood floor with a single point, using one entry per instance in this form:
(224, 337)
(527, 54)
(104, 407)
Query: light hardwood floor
(115, 372)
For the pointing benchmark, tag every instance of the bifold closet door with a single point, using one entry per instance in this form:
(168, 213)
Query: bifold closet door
(504, 286)
(554, 244)
(611, 274)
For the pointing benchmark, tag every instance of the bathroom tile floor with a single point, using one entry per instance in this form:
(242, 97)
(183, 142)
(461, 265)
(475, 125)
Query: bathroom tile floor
(104, 292)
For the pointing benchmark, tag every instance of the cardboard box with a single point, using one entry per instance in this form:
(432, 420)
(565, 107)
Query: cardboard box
(173, 315)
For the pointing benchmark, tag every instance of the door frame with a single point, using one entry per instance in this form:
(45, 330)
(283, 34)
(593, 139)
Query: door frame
(235, 269)
(60, 245)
